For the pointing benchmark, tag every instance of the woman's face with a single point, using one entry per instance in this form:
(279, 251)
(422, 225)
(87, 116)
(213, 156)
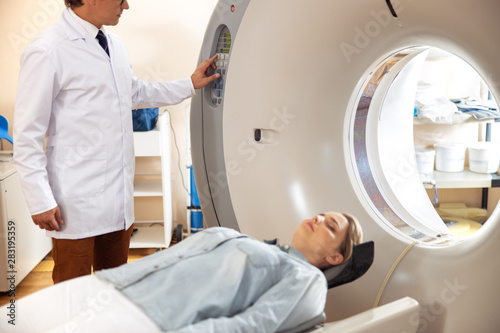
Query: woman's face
(320, 237)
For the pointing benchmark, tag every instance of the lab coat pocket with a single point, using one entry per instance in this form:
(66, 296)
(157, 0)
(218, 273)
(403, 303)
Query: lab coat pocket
(84, 171)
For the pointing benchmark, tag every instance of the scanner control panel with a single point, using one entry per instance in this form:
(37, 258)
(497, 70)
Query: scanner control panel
(222, 50)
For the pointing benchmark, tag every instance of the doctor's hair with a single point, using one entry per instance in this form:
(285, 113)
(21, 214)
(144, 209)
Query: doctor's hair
(353, 237)
(73, 3)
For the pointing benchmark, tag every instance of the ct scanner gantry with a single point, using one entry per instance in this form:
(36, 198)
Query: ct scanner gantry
(313, 113)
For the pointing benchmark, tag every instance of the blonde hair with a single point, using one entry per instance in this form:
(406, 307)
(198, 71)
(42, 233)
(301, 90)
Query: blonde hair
(353, 237)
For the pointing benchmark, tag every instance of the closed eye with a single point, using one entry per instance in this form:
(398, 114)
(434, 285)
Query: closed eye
(329, 222)
(332, 224)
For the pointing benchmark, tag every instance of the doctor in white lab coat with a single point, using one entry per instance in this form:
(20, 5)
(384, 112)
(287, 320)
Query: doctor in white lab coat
(77, 96)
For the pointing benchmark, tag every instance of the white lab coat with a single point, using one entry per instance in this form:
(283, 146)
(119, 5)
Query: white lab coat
(71, 92)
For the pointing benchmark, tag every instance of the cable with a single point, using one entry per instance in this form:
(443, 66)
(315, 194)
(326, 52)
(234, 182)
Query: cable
(178, 156)
(389, 274)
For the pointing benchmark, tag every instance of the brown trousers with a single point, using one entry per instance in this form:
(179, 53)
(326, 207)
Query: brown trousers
(75, 257)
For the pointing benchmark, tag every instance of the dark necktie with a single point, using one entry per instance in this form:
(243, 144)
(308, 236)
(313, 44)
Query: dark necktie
(103, 41)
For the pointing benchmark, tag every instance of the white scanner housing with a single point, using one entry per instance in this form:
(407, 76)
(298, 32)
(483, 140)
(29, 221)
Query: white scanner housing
(314, 113)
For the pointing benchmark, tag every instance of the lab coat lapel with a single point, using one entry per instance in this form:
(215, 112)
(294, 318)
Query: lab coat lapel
(75, 31)
(72, 28)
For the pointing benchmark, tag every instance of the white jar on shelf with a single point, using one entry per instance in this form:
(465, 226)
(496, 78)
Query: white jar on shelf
(425, 159)
(484, 157)
(450, 156)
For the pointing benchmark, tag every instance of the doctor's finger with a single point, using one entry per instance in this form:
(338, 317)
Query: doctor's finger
(208, 63)
(213, 58)
(58, 216)
(210, 68)
(45, 226)
(211, 78)
(52, 225)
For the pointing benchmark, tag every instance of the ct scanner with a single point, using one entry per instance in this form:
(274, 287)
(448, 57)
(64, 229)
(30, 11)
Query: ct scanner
(313, 113)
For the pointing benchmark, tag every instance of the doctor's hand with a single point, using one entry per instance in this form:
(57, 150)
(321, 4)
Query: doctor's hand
(200, 76)
(49, 220)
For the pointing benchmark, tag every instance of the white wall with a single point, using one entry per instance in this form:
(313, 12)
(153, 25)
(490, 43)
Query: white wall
(163, 37)
(451, 76)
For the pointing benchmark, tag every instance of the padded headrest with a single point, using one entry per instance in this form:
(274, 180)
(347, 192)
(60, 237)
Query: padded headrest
(360, 261)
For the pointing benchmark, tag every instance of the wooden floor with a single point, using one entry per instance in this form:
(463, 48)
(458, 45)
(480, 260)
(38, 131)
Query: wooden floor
(41, 276)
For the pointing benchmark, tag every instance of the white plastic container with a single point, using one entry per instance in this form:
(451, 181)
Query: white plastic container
(425, 159)
(484, 157)
(450, 156)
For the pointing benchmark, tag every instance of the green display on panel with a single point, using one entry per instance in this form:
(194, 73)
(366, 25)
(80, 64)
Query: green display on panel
(223, 49)
(224, 41)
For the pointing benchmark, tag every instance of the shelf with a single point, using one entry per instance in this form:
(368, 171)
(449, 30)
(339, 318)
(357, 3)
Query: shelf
(147, 187)
(147, 143)
(458, 118)
(152, 187)
(464, 179)
(148, 237)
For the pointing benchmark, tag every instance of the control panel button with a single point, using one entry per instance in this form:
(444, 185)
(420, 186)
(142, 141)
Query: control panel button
(223, 50)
